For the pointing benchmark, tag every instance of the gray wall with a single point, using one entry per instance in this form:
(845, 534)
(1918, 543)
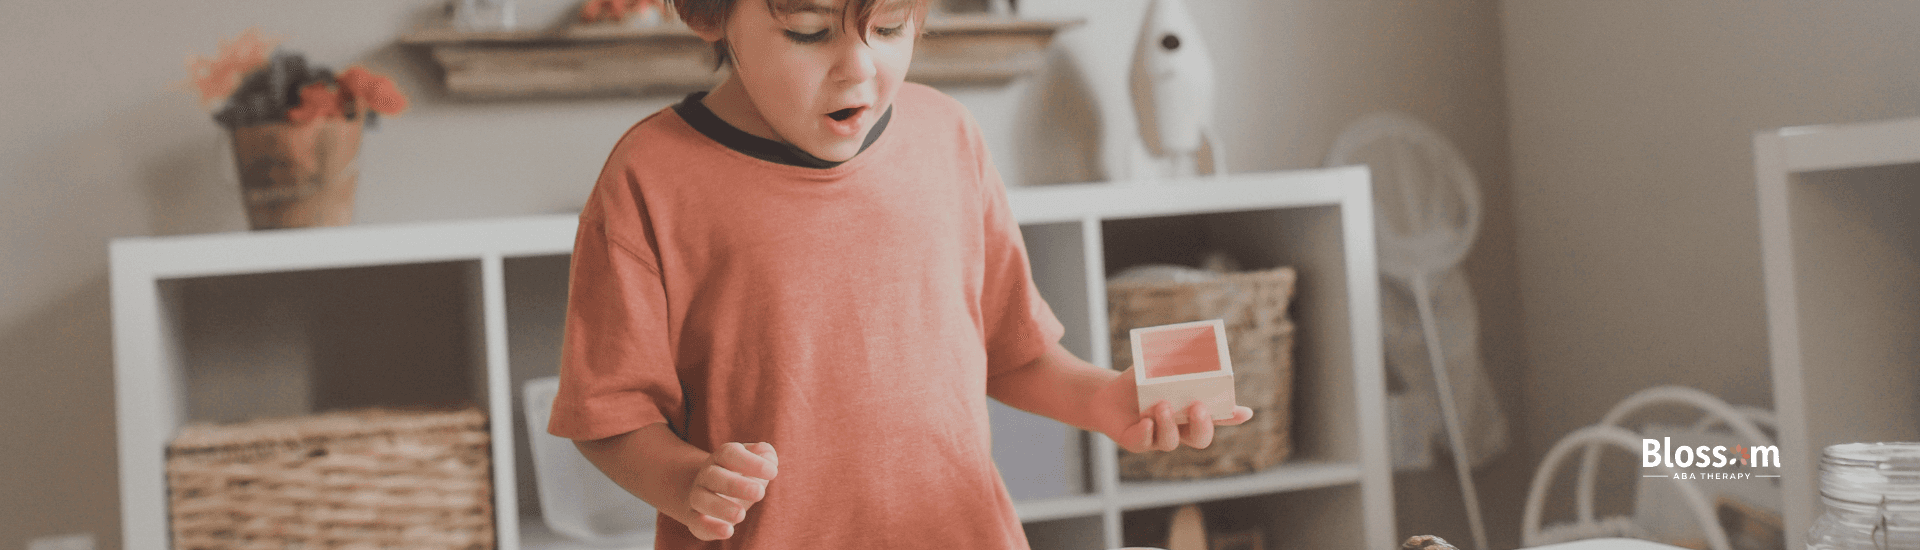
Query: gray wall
(99, 139)
(1638, 242)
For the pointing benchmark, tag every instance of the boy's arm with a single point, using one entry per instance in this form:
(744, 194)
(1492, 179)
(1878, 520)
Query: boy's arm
(1060, 386)
(708, 492)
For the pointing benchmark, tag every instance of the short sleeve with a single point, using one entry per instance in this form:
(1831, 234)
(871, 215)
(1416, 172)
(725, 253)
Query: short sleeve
(616, 365)
(1019, 324)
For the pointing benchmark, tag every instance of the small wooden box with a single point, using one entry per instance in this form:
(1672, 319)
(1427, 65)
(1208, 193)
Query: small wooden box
(1183, 363)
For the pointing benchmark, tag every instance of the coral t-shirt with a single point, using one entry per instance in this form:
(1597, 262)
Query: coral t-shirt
(849, 315)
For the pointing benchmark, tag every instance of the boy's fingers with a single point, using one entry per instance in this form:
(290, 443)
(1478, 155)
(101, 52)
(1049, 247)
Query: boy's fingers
(1139, 437)
(717, 507)
(710, 528)
(1240, 416)
(1199, 426)
(765, 450)
(736, 457)
(1167, 436)
(722, 481)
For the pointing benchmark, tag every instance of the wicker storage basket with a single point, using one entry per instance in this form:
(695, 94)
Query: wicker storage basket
(1253, 306)
(360, 479)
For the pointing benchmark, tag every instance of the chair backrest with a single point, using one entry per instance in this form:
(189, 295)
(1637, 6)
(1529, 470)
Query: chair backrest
(1716, 412)
(1743, 422)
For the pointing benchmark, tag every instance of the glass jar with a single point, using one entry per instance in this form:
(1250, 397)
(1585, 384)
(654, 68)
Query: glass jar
(1871, 493)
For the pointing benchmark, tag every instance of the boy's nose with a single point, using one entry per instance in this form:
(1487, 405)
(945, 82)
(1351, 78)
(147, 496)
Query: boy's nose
(855, 63)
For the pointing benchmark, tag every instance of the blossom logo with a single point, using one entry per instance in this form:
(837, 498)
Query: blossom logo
(1661, 453)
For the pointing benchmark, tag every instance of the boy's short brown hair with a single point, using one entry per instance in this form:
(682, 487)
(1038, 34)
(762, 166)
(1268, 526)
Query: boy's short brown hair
(712, 14)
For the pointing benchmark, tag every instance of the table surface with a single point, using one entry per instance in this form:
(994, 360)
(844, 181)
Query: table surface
(1608, 544)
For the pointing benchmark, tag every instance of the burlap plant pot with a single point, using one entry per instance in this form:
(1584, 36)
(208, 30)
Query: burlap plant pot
(298, 175)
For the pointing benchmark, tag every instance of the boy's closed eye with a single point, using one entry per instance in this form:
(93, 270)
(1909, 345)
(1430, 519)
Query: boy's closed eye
(891, 24)
(809, 23)
(800, 37)
(813, 23)
(807, 38)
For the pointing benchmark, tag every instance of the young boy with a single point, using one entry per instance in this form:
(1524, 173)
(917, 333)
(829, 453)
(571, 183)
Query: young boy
(792, 295)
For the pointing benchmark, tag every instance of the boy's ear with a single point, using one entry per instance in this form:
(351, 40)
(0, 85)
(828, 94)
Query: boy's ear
(709, 33)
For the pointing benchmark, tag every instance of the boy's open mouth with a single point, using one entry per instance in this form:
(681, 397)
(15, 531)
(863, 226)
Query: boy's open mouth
(844, 114)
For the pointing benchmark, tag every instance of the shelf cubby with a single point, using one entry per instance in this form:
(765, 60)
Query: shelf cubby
(301, 342)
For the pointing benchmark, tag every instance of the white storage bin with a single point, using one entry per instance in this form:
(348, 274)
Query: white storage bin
(575, 498)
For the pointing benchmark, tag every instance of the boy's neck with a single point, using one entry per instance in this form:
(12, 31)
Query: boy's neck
(729, 101)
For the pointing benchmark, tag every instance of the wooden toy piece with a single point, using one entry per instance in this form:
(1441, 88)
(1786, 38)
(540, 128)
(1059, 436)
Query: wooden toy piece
(1183, 363)
(1426, 542)
(1188, 530)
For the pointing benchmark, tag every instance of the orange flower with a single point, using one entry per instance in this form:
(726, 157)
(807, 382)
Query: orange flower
(216, 78)
(599, 10)
(268, 76)
(375, 91)
(317, 101)
(616, 10)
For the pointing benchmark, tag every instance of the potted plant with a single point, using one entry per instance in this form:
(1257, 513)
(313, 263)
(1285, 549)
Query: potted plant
(630, 12)
(296, 128)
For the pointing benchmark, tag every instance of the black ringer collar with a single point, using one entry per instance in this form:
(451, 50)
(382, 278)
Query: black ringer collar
(702, 119)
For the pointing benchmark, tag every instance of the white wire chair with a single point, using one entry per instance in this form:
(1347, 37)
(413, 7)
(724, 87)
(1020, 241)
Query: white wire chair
(1744, 422)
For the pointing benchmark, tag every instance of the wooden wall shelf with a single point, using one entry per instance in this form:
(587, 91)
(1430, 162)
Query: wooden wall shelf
(602, 60)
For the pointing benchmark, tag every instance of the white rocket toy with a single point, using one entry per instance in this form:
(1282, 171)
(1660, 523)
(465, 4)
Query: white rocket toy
(1172, 81)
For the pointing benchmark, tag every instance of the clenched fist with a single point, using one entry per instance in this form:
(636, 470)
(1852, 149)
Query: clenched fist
(733, 479)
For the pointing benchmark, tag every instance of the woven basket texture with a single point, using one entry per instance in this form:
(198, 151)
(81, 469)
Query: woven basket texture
(1253, 306)
(363, 479)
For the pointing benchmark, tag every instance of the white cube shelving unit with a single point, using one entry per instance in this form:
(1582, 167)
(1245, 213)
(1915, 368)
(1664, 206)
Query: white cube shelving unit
(226, 326)
(1840, 249)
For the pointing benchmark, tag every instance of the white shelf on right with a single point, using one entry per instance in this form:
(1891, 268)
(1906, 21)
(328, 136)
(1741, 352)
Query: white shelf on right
(1840, 249)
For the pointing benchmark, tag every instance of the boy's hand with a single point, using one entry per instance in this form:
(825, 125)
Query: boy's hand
(734, 477)
(1155, 429)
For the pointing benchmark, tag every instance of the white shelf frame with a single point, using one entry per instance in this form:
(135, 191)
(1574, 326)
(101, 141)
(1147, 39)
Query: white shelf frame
(1346, 188)
(1795, 170)
(147, 355)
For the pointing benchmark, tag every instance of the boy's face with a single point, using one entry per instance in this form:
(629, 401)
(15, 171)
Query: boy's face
(809, 78)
